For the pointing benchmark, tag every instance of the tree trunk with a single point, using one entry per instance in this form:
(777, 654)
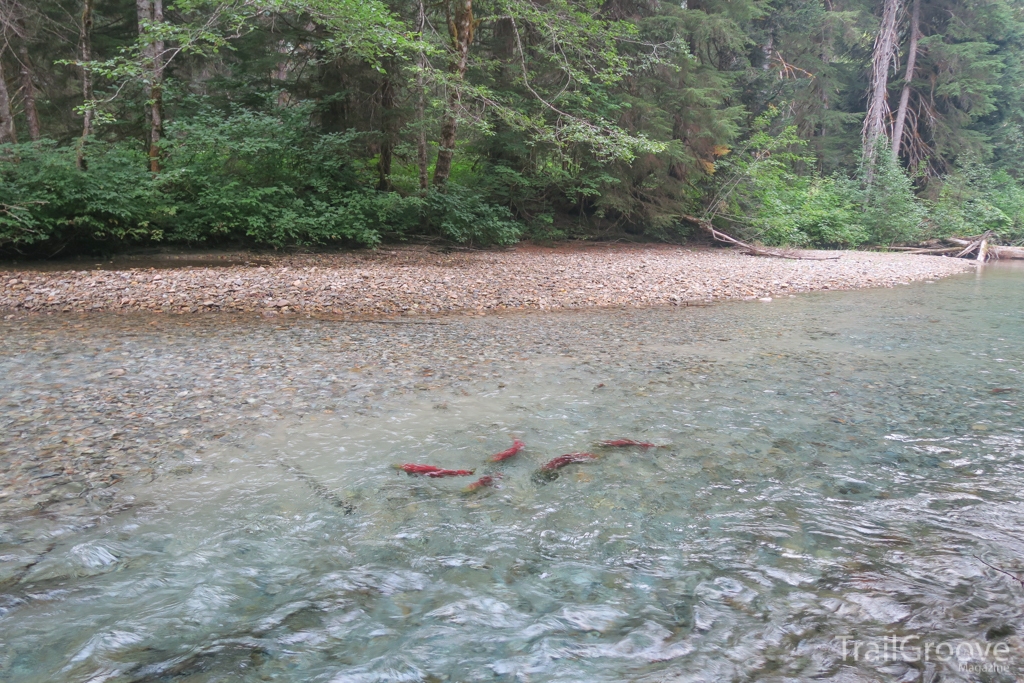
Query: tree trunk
(6, 116)
(156, 128)
(387, 130)
(446, 145)
(878, 98)
(85, 52)
(152, 11)
(284, 69)
(461, 29)
(28, 93)
(982, 250)
(421, 104)
(901, 113)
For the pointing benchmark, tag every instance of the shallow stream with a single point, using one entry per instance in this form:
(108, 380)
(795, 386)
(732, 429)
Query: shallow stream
(840, 468)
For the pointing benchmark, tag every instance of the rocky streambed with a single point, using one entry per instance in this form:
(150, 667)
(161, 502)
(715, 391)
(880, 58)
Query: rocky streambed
(211, 496)
(107, 388)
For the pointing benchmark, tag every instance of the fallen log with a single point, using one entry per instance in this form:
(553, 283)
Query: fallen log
(978, 247)
(1006, 252)
(751, 249)
(928, 250)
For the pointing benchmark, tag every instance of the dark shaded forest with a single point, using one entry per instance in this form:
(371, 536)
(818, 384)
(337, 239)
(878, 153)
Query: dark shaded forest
(282, 123)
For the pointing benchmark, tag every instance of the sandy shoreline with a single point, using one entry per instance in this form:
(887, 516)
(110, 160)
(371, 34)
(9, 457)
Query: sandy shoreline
(421, 281)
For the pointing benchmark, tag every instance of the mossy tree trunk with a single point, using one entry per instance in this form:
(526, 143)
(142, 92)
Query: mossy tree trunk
(460, 28)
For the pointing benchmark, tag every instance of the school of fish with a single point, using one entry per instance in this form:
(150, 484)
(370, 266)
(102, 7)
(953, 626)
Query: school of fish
(517, 445)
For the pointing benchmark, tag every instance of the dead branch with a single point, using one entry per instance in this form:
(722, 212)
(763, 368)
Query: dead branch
(1001, 571)
(787, 70)
(968, 249)
(977, 243)
(751, 249)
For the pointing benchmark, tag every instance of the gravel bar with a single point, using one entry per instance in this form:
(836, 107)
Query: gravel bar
(415, 280)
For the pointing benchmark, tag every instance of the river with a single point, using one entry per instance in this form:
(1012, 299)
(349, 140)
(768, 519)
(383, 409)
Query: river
(840, 471)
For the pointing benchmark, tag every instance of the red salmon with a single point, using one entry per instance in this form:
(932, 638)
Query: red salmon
(480, 483)
(630, 442)
(417, 469)
(567, 459)
(517, 446)
(432, 471)
(437, 474)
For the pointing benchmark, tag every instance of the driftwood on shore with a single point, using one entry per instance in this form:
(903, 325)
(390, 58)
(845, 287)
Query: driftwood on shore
(977, 247)
(720, 236)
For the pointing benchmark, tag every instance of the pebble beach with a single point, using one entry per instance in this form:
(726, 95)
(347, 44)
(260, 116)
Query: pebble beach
(417, 281)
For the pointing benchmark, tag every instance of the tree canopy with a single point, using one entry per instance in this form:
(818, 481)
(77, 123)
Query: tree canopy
(301, 122)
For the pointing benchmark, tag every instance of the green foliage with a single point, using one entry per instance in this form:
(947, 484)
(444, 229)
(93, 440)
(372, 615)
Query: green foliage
(48, 202)
(366, 28)
(575, 119)
(267, 178)
(967, 82)
(807, 211)
(244, 177)
(830, 213)
(760, 190)
(891, 212)
(462, 216)
(975, 199)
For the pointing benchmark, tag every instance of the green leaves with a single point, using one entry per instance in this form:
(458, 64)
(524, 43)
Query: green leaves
(364, 29)
(891, 211)
(267, 178)
(975, 199)
(47, 200)
(463, 216)
(245, 176)
(571, 118)
(761, 189)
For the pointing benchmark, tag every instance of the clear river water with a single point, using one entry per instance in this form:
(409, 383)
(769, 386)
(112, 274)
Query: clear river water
(841, 469)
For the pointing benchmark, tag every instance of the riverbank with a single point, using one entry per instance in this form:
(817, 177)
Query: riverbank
(414, 280)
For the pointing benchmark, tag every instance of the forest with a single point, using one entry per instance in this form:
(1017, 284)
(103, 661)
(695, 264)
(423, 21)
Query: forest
(351, 123)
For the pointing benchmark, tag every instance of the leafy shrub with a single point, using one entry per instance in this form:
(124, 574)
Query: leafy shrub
(773, 203)
(267, 178)
(811, 211)
(460, 215)
(758, 185)
(47, 201)
(976, 199)
(245, 176)
(830, 213)
(779, 206)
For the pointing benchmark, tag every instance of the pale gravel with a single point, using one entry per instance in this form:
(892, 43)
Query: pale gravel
(419, 280)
